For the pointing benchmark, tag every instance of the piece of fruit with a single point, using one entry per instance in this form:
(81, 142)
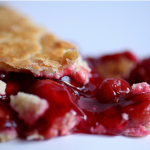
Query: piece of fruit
(111, 90)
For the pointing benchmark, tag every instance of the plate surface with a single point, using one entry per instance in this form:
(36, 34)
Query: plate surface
(97, 28)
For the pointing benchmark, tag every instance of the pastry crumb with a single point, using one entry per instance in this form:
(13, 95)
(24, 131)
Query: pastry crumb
(140, 88)
(125, 116)
(2, 87)
(63, 126)
(35, 136)
(137, 131)
(29, 107)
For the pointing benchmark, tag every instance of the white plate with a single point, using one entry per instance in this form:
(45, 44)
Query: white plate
(97, 28)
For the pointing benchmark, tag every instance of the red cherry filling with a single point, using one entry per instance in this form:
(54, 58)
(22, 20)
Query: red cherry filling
(99, 117)
(99, 107)
(61, 117)
(55, 93)
(111, 90)
(12, 88)
(139, 109)
(113, 121)
(16, 82)
(112, 118)
(109, 121)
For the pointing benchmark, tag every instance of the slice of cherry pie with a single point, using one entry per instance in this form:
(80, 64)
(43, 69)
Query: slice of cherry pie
(48, 90)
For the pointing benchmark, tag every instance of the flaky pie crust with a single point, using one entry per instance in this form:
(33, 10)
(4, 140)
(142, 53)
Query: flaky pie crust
(25, 47)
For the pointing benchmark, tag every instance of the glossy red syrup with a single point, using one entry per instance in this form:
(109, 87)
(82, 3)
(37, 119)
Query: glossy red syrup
(103, 106)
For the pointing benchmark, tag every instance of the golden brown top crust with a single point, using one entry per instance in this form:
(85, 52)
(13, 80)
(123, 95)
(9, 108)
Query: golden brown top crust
(27, 47)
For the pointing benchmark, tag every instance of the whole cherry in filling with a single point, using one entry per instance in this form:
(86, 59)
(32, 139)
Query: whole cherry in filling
(111, 90)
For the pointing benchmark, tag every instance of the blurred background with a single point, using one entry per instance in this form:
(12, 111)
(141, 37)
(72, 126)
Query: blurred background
(95, 27)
